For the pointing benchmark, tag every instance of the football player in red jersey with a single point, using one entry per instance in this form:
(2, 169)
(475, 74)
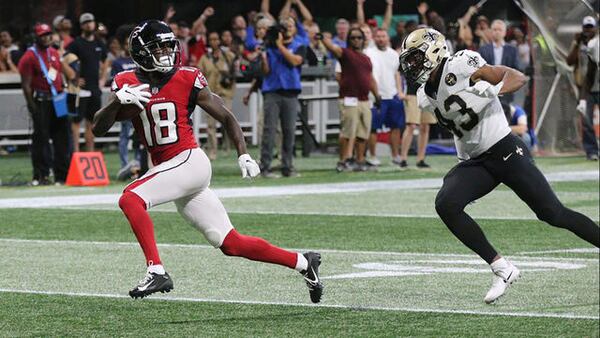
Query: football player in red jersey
(182, 170)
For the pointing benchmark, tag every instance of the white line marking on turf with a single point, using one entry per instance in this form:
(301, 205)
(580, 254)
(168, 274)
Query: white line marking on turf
(333, 306)
(336, 251)
(285, 190)
(172, 209)
(411, 267)
(574, 250)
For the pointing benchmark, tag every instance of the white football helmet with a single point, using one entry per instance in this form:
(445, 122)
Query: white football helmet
(422, 51)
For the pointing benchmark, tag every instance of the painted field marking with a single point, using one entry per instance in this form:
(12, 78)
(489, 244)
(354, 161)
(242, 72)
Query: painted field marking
(574, 250)
(331, 306)
(426, 258)
(337, 251)
(412, 267)
(284, 190)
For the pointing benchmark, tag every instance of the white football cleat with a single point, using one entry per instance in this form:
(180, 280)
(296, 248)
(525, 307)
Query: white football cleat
(504, 275)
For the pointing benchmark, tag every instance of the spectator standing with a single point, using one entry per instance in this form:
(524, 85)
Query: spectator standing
(114, 49)
(356, 81)
(316, 54)
(219, 68)
(465, 33)
(6, 63)
(38, 95)
(523, 49)
(400, 34)
(227, 40)
(584, 56)
(197, 44)
(517, 120)
(281, 85)
(92, 54)
(63, 26)
(483, 32)
(124, 63)
(500, 53)
(415, 118)
(341, 32)
(390, 113)
(7, 43)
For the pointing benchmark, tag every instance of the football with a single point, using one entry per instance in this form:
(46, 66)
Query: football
(127, 112)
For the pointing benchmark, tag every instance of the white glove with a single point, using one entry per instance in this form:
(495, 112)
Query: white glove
(134, 95)
(248, 166)
(485, 89)
(582, 106)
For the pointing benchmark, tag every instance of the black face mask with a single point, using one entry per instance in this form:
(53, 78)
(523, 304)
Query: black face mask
(411, 65)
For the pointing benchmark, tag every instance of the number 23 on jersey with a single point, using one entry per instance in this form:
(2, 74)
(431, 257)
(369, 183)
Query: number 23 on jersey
(451, 104)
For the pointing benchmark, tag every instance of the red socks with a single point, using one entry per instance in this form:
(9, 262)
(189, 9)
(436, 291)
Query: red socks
(257, 249)
(234, 244)
(134, 209)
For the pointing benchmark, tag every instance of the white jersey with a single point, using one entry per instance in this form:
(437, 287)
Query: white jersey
(385, 67)
(477, 123)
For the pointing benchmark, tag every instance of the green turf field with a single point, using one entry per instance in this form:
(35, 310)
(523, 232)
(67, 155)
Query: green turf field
(390, 266)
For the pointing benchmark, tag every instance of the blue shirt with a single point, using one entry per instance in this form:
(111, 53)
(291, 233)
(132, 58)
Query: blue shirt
(339, 42)
(514, 120)
(282, 75)
(518, 113)
(120, 64)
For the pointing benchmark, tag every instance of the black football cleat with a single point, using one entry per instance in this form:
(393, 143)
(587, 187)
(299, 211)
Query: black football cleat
(152, 283)
(311, 276)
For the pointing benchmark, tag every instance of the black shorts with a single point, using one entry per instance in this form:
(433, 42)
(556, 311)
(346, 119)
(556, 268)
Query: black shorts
(508, 157)
(508, 162)
(88, 106)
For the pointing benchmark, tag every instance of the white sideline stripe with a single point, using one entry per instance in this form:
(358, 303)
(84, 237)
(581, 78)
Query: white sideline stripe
(332, 306)
(203, 246)
(285, 190)
(574, 250)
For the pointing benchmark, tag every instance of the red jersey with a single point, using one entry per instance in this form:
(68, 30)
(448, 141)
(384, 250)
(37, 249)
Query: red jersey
(165, 125)
(29, 65)
(356, 74)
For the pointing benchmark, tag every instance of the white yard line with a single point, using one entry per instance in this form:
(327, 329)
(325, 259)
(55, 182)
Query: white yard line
(333, 306)
(285, 190)
(574, 250)
(469, 257)
(202, 246)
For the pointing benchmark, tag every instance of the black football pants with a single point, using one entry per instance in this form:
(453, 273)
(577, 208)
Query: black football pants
(47, 126)
(508, 162)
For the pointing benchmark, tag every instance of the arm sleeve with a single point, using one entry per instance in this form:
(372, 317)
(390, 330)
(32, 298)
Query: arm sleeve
(104, 54)
(200, 81)
(301, 51)
(116, 83)
(25, 66)
(302, 33)
(423, 101)
(72, 48)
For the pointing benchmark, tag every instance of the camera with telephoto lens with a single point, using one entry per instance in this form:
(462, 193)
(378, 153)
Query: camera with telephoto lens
(273, 34)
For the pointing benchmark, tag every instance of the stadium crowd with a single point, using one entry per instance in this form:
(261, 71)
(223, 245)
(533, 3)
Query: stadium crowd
(268, 49)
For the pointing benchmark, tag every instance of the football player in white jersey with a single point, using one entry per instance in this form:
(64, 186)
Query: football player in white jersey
(463, 92)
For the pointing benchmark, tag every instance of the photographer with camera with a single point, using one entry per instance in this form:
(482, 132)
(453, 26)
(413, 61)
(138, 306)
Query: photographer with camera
(281, 65)
(219, 68)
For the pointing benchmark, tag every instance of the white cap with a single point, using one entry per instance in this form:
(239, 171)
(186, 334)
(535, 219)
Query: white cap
(589, 21)
(57, 20)
(85, 17)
